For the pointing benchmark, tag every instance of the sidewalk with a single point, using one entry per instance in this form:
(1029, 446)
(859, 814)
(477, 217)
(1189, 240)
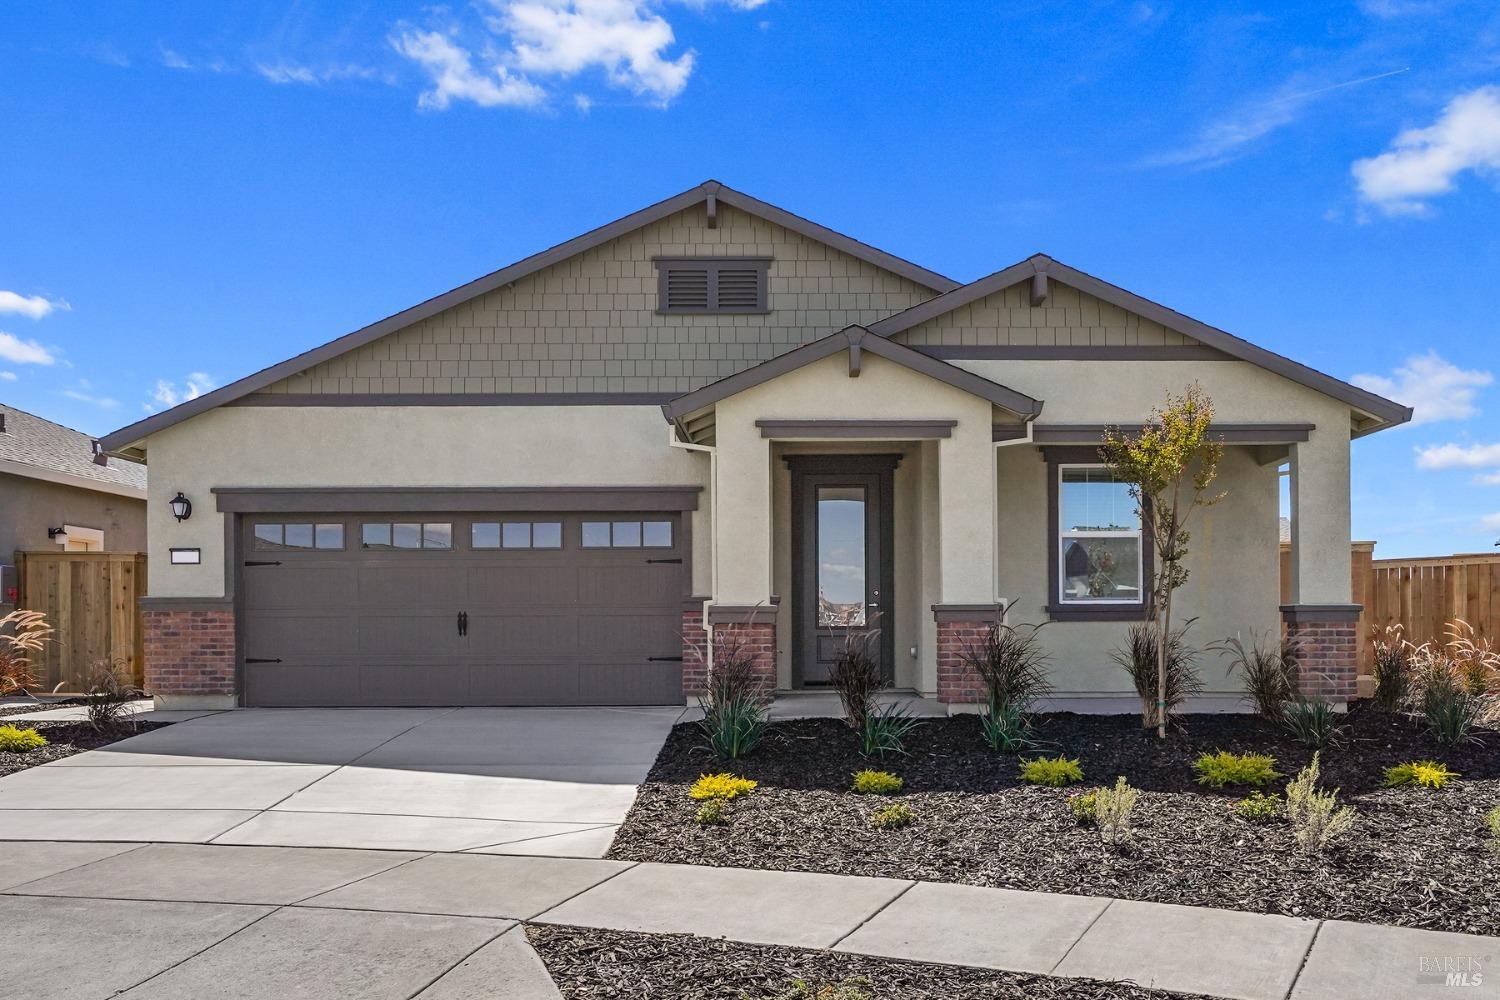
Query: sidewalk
(167, 920)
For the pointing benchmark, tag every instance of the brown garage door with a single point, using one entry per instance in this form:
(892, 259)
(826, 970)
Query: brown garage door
(473, 609)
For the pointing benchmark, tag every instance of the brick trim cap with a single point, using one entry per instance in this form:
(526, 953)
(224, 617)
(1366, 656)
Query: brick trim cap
(1297, 613)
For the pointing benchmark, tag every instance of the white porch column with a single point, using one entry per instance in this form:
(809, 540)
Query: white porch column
(966, 513)
(742, 530)
(1320, 518)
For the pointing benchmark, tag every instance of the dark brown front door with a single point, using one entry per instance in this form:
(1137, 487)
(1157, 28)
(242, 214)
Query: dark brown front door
(842, 531)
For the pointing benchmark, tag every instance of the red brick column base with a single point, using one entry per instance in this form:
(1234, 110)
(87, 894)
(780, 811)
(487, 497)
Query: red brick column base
(1326, 645)
(958, 628)
(753, 629)
(190, 653)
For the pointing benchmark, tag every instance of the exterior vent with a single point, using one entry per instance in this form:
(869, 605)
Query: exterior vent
(712, 284)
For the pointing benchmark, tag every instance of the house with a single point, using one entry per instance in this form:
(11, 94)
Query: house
(59, 492)
(537, 487)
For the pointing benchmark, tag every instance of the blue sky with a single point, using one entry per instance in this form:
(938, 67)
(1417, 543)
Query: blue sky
(194, 191)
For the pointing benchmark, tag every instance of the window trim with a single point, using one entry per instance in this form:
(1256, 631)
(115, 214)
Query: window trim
(255, 540)
(422, 545)
(713, 265)
(1098, 611)
(640, 522)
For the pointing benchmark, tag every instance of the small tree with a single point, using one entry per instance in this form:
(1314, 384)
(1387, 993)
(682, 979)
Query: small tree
(1170, 465)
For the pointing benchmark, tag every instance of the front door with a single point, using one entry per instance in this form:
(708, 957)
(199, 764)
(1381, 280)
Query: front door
(842, 531)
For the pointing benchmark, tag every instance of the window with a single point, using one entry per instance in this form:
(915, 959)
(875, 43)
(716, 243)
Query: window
(627, 534)
(406, 535)
(712, 284)
(515, 535)
(282, 535)
(1100, 558)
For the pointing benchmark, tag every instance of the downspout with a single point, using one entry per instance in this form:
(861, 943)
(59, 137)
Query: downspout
(1028, 438)
(673, 441)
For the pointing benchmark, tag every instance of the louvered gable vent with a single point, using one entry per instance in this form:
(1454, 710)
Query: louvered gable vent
(712, 284)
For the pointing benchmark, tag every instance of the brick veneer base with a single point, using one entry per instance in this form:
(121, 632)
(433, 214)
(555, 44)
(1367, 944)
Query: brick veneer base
(957, 684)
(189, 652)
(1326, 657)
(759, 639)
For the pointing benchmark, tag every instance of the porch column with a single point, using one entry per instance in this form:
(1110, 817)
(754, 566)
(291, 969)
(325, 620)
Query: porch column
(1321, 617)
(742, 611)
(966, 568)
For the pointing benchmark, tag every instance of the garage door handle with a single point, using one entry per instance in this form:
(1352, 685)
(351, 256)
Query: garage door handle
(664, 560)
(255, 562)
(663, 659)
(463, 623)
(251, 659)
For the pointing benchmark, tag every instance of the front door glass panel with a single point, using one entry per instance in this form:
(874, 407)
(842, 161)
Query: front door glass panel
(841, 556)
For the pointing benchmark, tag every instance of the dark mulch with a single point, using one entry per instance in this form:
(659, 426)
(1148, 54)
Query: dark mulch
(616, 965)
(64, 739)
(1416, 857)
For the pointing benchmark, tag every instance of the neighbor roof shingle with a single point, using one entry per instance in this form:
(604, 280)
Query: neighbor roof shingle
(30, 440)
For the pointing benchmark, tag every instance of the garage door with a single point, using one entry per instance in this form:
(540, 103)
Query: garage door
(473, 609)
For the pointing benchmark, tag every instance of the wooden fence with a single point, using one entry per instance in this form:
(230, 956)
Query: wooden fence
(90, 598)
(1423, 594)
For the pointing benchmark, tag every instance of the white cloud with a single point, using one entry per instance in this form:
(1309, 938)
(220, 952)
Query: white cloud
(1490, 522)
(1424, 162)
(24, 352)
(1388, 9)
(1435, 388)
(285, 72)
(1230, 136)
(454, 76)
(8, 376)
(34, 306)
(83, 396)
(170, 394)
(1459, 456)
(174, 60)
(525, 43)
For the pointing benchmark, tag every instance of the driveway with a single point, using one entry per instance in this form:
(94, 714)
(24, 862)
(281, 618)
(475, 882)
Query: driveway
(539, 781)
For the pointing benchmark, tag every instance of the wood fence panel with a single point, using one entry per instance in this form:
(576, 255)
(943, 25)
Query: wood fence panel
(1423, 595)
(91, 600)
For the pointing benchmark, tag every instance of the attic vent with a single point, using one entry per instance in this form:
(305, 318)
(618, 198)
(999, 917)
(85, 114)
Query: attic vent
(712, 284)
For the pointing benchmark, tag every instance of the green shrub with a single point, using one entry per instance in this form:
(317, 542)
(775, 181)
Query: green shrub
(1448, 708)
(893, 816)
(1139, 660)
(1268, 670)
(1112, 809)
(1392, 655)
(1006, 729)
(1054, 772)
(876, 783)
(1426, 773)
(734, 706)
(720, 786)
(1012, 664)
(853, 988)
(14, 740)
(1085, 807)
(711, 813)
(1317, 818)
(885, 731)
(1312, 721)
(1223, 768)
(1492, 823)
(1259, 808)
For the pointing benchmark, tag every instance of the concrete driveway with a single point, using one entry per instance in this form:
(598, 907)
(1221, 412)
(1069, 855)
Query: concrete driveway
(540, 781)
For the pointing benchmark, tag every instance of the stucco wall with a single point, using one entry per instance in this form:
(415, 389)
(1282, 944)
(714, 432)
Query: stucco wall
(588, 324)
(1233, 587)
(31, 506)
(401, 446)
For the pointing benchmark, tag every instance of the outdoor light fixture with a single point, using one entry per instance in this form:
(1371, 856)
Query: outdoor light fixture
(58, 535)
(182, 507)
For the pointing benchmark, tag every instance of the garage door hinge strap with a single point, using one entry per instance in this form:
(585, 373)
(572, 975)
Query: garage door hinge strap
(663, 659)
(251, 659)
(255, 562)
(664, 561)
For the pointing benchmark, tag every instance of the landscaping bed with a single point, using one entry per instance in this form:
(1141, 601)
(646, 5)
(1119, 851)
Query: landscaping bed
(64, 739)
(9, 709)
(616, 965)
(1415, 857)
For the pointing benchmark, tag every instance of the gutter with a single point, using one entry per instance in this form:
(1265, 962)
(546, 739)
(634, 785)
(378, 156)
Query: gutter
(673, 441)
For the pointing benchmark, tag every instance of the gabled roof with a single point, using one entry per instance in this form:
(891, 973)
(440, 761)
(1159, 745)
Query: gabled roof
(1384, 411)
(709, 192)
(40, 449)
(856, 340)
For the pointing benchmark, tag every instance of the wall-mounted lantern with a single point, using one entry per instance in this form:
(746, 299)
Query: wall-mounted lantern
(182, 507)
(58, 535)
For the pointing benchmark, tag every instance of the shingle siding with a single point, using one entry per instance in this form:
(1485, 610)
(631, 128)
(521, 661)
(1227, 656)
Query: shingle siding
(589, 324)
(1068, 318)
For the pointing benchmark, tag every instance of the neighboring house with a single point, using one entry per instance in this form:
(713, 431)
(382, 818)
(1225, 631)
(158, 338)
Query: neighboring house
(58, 493)
(533, 488)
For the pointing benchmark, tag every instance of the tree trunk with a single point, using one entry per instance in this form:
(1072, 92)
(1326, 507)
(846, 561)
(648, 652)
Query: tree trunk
(1163, 634)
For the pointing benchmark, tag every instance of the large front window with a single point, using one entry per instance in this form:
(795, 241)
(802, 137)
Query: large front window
(1099, 544)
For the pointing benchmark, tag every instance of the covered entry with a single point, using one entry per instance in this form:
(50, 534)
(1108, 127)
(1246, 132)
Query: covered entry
(436, 607)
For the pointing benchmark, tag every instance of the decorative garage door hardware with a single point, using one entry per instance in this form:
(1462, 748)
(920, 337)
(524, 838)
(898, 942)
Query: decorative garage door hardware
(263, 562)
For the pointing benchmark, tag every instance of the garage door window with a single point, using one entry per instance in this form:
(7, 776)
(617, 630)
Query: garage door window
(515, 535)
(280, 536)
(406, 535)
(627, 534)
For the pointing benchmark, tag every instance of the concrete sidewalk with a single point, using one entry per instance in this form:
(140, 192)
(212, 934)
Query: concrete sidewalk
(177, 920)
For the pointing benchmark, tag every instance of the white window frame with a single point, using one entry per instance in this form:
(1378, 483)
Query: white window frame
(1064, 535)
